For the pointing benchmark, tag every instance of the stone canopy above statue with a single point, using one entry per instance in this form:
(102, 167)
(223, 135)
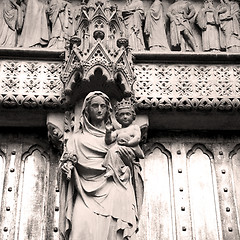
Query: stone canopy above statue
(97, 57)
(160, 26)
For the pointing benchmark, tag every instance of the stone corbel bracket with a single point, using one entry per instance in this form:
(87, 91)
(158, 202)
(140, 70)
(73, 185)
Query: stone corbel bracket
(55, 125)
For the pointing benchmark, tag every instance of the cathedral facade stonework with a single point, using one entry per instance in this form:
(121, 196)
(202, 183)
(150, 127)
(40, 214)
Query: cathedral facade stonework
(178, 62)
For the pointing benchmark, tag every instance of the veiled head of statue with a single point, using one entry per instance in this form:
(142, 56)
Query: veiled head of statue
(97, 106)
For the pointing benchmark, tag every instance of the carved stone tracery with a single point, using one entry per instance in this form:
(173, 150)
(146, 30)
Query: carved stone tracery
(30, 84)
(187, 87)
(160, 86)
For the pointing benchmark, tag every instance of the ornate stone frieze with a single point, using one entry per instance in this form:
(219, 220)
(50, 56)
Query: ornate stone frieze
(187, 87)
(30, 83)
(157, 86)
(201, 82)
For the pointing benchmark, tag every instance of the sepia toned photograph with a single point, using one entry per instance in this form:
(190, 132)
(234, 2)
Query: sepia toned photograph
(119, 120)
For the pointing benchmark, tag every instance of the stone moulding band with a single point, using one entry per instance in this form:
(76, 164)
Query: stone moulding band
(32, 54)
(186, 57)
(189, 104)
(187, 86)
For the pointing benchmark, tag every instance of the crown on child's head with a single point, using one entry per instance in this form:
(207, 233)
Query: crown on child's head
(126, 103)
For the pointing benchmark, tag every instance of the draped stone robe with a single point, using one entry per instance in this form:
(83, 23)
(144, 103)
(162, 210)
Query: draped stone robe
(94, 207)
(207, 20)
(11, 22)
(155, 27)
(229, 26)
(133, 15)
(35, 32)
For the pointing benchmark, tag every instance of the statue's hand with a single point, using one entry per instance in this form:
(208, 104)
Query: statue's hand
(109, 127)
(67, 169)
(123, 142)
(147, 32)
(186, 16)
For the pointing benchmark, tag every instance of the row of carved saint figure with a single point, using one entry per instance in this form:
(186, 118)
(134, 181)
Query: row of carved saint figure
(34, 23)
(219, 26)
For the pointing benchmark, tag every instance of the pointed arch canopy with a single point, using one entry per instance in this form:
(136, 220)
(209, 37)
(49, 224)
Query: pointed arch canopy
(97, 70)
(97, 57)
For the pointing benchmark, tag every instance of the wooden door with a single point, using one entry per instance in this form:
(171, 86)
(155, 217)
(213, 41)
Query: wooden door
(191, 187)
(28, 186)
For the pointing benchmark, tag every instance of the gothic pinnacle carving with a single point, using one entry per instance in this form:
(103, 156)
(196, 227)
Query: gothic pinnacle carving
(100, 61)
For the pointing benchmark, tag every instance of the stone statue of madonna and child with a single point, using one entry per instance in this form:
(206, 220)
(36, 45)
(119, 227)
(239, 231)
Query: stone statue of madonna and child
(101, 190)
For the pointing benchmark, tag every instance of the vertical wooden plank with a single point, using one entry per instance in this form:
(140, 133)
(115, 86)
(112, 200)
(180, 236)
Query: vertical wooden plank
(2, 174)
(156, 219)
(56, 215)
(33, 193)
(20, 204)
(235, 168)
(181, 193)
(10, 193)
(53, 199)
(226, 193)
(202, 194)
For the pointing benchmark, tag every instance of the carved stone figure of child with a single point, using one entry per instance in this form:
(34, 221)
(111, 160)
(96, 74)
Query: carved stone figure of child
(126, 149)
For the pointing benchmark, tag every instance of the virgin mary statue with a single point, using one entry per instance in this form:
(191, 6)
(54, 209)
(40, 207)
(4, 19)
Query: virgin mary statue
(94, 207)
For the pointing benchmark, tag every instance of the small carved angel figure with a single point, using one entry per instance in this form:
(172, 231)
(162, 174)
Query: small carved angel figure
(12, 22)
(207, 20)
(120, 156)
(228, 13)
(181, 33)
